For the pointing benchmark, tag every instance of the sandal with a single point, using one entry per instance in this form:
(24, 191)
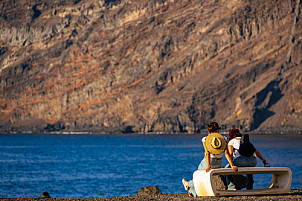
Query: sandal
(190, 193)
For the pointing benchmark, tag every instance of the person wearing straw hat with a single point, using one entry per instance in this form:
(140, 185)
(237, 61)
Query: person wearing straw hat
(214, 145)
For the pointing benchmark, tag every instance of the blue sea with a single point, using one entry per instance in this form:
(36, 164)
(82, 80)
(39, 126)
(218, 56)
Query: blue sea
(95, 166)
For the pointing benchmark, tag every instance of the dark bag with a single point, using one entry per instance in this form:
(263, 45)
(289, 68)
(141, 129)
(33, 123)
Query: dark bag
(246, 147)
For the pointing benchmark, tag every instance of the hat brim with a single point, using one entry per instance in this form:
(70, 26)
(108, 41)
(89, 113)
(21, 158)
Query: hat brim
(209, 146)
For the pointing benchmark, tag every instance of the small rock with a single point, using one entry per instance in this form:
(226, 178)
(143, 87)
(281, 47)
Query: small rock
(149, 190)
(45, 194)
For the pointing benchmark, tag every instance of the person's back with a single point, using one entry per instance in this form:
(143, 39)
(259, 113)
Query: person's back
(214, 145)
(244, 156)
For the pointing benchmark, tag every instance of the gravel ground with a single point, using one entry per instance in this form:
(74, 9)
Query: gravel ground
(292, 195)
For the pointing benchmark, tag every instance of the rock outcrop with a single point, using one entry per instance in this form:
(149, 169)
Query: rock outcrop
(150, 66)
(149, 190)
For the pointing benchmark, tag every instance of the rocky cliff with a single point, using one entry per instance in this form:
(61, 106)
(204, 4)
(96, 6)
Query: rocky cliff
(150, 66)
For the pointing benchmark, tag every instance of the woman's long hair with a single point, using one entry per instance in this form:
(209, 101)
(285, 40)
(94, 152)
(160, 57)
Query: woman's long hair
(234, 133)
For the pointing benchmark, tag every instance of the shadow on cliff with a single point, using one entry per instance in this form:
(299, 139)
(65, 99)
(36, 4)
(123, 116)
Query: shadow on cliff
(265, 99)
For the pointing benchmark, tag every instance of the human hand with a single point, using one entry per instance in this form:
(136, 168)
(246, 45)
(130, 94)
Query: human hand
(235, 168)
(266, 164)
(208, 169)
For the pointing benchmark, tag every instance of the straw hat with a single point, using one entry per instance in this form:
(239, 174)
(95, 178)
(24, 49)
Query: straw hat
(215, 143)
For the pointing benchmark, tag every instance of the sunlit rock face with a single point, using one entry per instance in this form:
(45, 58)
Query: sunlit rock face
(150, 66)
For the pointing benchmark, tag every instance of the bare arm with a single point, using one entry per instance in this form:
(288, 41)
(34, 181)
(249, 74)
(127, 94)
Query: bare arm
(229, 158)
(231, 151)
(208, 158)
(261, 158)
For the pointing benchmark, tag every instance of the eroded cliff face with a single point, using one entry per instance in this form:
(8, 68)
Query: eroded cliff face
(150, 66)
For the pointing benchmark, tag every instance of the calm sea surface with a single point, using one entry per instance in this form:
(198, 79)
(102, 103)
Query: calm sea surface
(85, 166)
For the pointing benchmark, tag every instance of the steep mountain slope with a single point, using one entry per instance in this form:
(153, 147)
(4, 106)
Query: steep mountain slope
(150, 66)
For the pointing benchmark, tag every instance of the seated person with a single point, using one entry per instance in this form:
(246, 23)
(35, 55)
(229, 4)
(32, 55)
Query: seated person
(213, 155)
(242, 157)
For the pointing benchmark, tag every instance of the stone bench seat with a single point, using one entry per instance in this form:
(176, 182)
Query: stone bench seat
(205, 185)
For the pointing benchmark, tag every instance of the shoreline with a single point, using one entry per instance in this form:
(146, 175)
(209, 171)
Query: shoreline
(294, 194)
(266, 131)
(298, 132)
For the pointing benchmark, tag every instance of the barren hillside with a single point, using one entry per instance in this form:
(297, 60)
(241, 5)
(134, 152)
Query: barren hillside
(150, 66)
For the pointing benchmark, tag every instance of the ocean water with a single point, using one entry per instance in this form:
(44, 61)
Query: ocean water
(95, 166)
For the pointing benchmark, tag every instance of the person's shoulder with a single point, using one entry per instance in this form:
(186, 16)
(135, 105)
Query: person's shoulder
(232, 141)
(204, 139)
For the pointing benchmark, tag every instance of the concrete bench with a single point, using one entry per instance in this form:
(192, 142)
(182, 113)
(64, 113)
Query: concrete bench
(280, 184)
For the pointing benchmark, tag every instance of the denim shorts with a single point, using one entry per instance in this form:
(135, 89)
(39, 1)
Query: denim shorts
(245, 161)
(215, 163)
